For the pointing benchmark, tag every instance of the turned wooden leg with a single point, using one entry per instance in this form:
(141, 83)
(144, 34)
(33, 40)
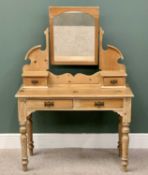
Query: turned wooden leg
(23, 131)
(125, 142)
(30, 135)
(120, 136)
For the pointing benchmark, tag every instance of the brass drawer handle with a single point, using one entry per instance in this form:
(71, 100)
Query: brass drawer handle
(99, 103)
(48, 103)
(114, 82)
(34, 82)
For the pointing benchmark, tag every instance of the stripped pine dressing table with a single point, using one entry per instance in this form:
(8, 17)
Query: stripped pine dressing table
(74, 38)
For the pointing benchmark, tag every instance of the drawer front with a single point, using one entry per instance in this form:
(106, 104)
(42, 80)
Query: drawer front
(114, 81)
(35, 81)
(50, 104)
(99, 104)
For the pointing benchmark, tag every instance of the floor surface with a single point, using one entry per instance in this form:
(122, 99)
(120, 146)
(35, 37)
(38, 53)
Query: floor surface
(74, 161)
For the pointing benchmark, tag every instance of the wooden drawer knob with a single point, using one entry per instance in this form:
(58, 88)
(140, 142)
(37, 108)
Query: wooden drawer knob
(34, 82)
(99, 103)
(48, 103)
(114, 82)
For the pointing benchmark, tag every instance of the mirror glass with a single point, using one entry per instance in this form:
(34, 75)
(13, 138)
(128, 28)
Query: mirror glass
(74, 37)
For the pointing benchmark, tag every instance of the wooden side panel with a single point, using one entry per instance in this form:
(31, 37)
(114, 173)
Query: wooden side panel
(109, 58)
(39, 59)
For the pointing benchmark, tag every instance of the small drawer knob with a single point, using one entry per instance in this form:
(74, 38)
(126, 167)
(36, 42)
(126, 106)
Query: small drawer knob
(99, 103)
(48, 103)
(34, 82)
(114, 82)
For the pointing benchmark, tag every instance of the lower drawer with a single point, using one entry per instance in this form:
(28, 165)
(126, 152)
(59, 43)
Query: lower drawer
(51, 104)
(99, 103)
(39, 81)
(114, 81)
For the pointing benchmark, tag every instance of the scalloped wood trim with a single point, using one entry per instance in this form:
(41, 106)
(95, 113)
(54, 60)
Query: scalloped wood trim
(32, 50)
(79, 78)
(116, 49)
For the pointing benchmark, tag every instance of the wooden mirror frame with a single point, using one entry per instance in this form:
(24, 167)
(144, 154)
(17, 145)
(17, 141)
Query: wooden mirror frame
(55, 11)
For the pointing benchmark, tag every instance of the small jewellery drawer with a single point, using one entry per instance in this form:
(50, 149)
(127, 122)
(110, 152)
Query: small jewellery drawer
(52, 104)
(114, 81)
(99, 103)
(39, 81)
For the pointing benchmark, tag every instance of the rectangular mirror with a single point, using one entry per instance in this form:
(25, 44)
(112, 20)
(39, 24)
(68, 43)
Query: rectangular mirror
(73, 36)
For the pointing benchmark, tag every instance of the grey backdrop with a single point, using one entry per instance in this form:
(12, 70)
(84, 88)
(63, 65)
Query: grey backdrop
(22, 23)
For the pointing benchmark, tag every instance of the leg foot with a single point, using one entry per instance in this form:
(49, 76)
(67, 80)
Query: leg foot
(125, 165)
(24, 167)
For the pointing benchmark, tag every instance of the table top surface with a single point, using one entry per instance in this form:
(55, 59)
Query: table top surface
(74, 91)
